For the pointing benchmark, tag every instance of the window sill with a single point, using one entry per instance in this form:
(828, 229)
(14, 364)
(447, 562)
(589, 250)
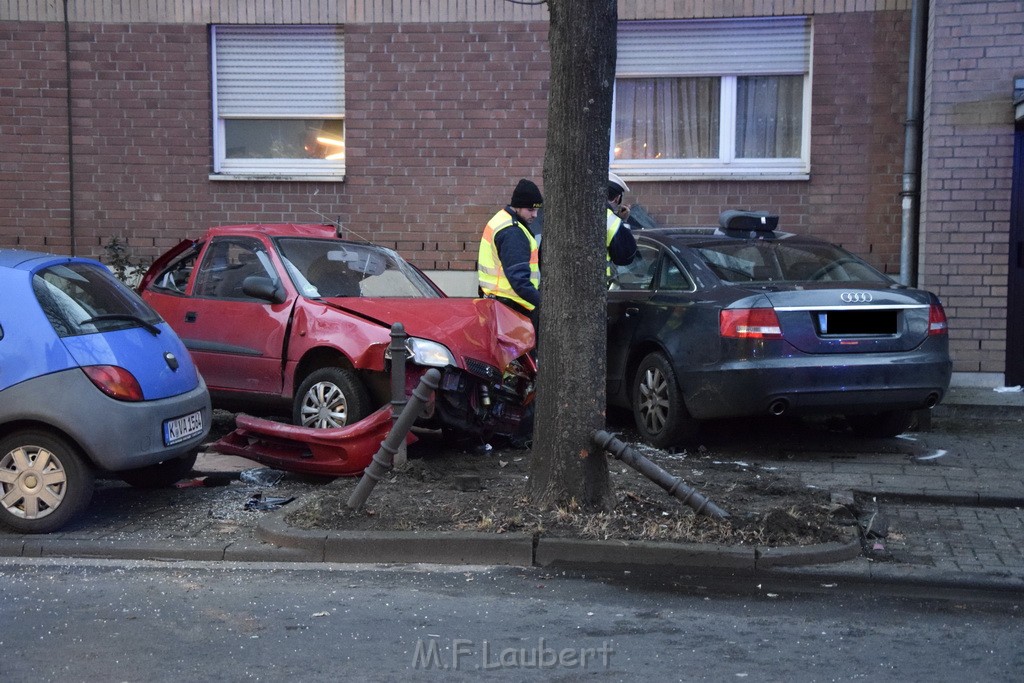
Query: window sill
(277, 177)
(744, 177)
(696, 176)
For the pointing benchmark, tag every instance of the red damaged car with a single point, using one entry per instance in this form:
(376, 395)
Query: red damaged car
(291, 318)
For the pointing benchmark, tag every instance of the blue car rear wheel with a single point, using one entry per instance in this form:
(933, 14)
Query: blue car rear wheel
(44, 481)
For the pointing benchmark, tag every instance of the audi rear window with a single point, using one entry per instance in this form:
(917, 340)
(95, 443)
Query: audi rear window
(744, 261)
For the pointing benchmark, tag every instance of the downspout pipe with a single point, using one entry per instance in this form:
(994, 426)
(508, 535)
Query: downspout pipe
(911, 193)
(71, 150)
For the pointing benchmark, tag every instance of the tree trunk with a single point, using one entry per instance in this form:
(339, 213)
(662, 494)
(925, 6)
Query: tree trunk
(571, 385)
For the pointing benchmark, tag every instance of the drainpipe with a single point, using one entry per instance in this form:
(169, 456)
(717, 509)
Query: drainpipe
(71, 151)
(911, 193)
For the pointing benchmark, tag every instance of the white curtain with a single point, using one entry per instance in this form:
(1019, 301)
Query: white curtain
(667, 118)
(769, 114)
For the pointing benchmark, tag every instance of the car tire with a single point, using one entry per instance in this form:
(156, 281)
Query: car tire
(44, 481)
(330, 398)
(658, 408)
(160, 475)
(881, 425)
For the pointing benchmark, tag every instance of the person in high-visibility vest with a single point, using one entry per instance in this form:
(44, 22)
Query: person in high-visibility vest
(508, 263)
(620, 241)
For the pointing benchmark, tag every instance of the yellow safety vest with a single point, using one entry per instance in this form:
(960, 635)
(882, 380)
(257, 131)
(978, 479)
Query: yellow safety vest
(490, 274)
(614, 222)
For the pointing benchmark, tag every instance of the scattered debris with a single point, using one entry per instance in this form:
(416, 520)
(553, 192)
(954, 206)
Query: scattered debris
(874, 525)
(933, 456)
(262, 476)
(258, 502)
(209, 481)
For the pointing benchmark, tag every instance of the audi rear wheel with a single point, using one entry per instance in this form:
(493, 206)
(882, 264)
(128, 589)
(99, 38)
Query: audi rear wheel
(658, 408)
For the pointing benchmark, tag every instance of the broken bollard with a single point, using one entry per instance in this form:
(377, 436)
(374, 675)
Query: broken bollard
(674, 485)
(399, 355)
(383, 459)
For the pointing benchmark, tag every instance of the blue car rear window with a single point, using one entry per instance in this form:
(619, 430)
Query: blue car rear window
(80, 298)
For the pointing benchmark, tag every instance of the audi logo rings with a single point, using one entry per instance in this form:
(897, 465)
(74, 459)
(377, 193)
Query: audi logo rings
(856, 297)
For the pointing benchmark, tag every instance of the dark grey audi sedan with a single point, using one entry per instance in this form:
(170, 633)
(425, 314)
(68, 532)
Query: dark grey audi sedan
(743, 320)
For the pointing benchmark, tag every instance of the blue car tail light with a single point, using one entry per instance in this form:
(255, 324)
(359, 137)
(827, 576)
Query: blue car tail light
(115, 382)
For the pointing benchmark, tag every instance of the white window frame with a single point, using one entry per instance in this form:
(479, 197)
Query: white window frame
(276, 72)
(727, 49)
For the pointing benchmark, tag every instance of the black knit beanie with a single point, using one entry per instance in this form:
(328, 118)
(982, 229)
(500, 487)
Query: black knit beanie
(526, 196)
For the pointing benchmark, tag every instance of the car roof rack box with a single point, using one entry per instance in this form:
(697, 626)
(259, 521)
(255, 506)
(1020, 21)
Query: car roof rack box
(757, 221)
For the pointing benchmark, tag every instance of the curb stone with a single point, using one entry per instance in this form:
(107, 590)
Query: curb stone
(944, 497)
(521, 550)
(135, 550)
(863, 571)
(399, 546)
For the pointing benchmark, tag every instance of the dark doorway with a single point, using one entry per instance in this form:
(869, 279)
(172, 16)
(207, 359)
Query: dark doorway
(1015, 293)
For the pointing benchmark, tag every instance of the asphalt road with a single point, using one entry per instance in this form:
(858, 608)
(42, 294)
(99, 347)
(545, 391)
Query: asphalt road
(96, 620)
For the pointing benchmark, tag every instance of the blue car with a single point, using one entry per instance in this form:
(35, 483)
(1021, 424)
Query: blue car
(92, 381)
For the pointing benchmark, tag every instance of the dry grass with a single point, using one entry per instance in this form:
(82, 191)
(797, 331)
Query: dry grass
(764, 508)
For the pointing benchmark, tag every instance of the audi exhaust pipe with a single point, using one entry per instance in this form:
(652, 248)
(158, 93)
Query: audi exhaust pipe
(778, 406)
(932, 400)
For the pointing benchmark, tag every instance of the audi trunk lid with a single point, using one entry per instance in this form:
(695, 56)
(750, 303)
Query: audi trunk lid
(852, 319)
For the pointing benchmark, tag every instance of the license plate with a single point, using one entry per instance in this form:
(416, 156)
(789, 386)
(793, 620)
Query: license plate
(183, 428)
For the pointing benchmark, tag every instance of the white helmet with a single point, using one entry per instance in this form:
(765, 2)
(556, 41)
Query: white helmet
(618, 183)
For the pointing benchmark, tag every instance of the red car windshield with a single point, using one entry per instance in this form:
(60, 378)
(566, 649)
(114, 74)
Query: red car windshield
(332, 268)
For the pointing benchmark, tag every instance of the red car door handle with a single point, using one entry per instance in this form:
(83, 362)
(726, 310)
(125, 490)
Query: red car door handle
(190, 317)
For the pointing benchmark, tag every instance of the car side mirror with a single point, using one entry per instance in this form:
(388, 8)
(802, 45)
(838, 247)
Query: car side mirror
(260, 287)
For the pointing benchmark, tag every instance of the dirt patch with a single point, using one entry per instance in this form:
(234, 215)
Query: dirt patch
(466, 488)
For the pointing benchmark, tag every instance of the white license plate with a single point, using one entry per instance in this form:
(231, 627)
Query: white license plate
(183, 428)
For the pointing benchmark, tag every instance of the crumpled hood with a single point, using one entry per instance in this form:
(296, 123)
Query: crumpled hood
(482, 329)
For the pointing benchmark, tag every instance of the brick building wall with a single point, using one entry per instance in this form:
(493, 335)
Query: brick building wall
(858, 109)
(442, 119)
(34, 206)
(444, 116)
(440, 128)
(975, 50)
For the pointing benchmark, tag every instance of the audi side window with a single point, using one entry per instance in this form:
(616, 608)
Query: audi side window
(639, 274)
(674, 278)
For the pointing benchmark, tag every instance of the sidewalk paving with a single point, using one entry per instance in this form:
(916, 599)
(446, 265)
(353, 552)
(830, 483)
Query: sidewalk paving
(956, 520)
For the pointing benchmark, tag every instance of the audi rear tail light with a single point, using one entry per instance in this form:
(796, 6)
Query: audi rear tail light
(937, 320)
(115, 382)
(749, 323)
